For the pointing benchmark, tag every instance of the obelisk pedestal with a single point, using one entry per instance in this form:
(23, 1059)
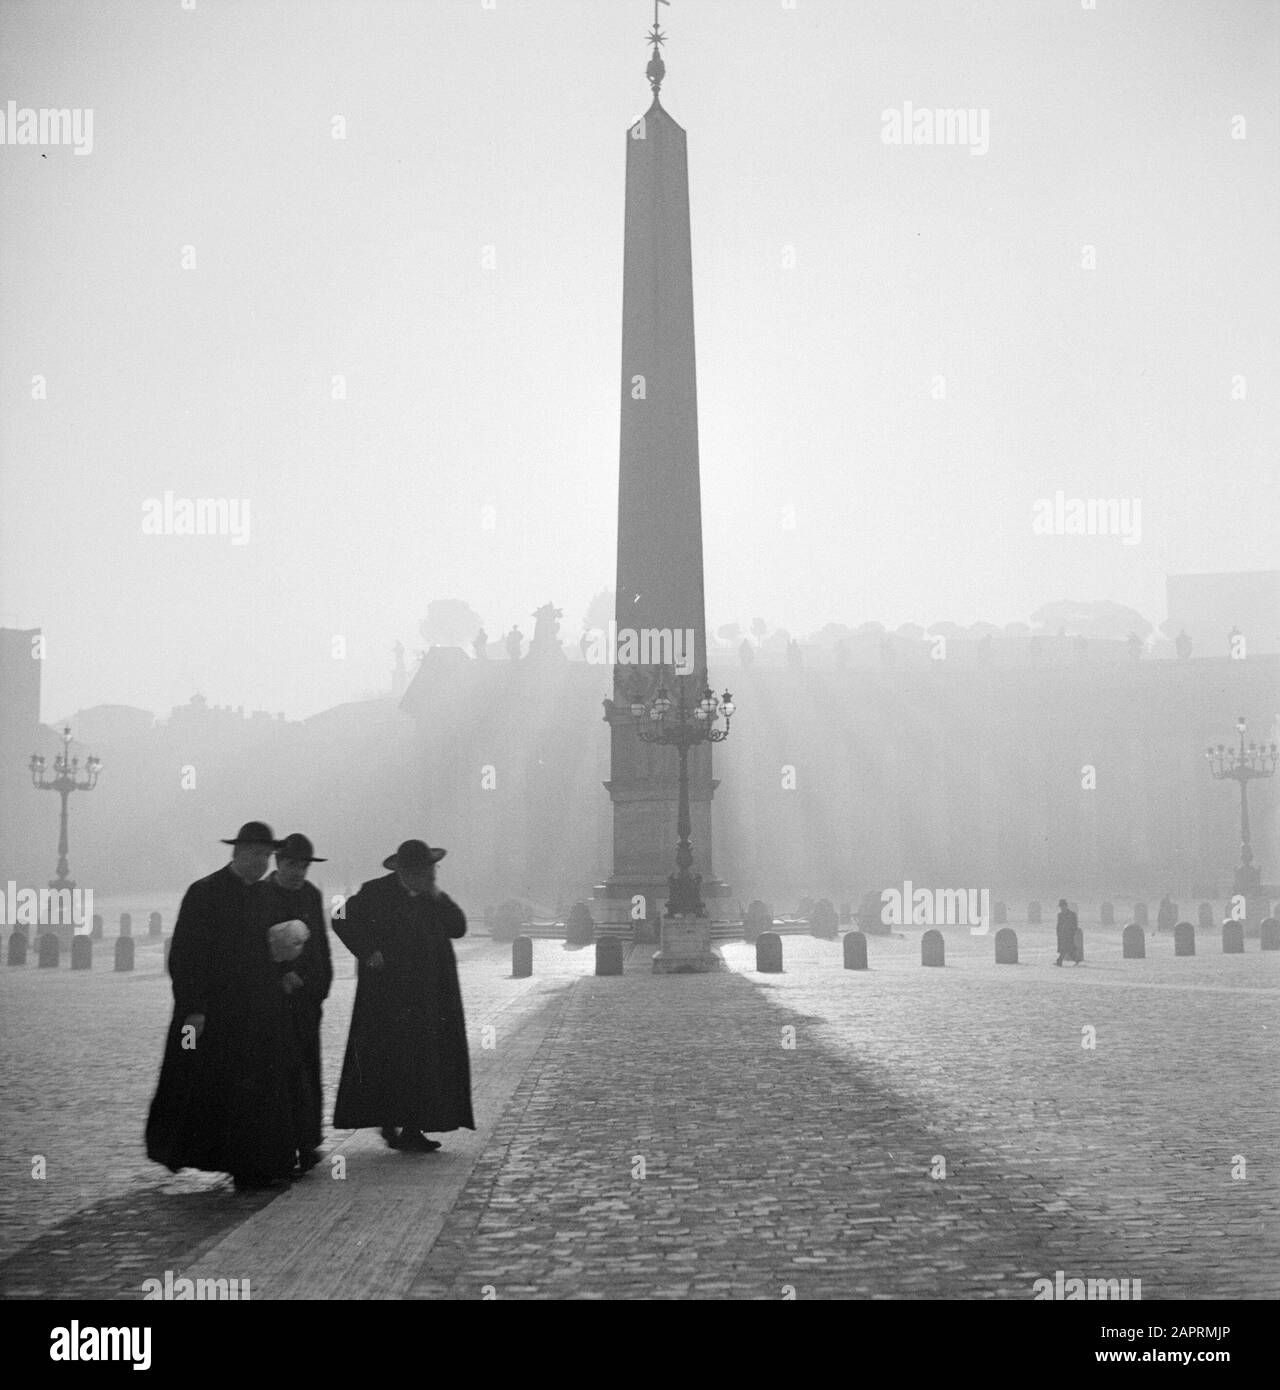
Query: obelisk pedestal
(684, 947)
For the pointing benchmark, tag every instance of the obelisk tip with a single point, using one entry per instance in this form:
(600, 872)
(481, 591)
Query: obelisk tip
(657, 69)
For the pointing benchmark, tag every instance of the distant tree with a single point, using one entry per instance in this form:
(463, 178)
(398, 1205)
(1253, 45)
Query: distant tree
(912, 632)
(830, 634)
(1102, 620)
(450, 622)
(729, 632)
(866, 628)
(759, 629)
(983, 630)
(1016, 630)
(951, 631)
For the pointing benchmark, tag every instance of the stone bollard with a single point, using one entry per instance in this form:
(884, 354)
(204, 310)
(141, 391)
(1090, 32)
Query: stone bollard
(855, 951)
(168, 942)
(521, 958)
(1078, 948)
(824, 920)
(124, 953)
(81, 952)
(1033, 914)
(580, 929)
(126, 924)
(18, 947)
(1269, 933)
(1006, 946)
(97, 926)
(155, 926)
(759, 918)
(1133, 942)
(1232, 938)
(1140, 915)
(608, 956)
(1184, 939)
(1107, 915)
(933, 950)
(1206, 916)
(769, 953)
(1000, 913)
(48, 951)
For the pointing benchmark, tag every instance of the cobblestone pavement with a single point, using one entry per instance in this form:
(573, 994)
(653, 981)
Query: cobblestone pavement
(79, 1057)
(667, 1137)
(768, 1168)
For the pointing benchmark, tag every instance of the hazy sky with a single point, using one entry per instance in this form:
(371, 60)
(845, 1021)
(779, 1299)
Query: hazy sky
(835, 277)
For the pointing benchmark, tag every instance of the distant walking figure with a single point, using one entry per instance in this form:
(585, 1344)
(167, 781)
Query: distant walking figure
(1166, 915)
(407, 1070)
(1068, 925)
(232, 1096)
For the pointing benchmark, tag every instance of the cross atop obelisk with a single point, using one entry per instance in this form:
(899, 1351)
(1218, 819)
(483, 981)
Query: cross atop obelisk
(657, 69)
(659, 586)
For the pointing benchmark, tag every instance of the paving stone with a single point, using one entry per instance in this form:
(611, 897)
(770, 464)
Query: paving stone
(788, 1132)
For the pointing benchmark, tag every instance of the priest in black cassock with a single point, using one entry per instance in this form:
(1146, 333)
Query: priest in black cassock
(307, 978)
(407, 1070)
(232, 1091)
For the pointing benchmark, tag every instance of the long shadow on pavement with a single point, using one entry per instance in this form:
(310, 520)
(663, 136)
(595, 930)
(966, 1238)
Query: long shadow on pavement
(107, 1250)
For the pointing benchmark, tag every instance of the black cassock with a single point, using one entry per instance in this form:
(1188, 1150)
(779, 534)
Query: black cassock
(314, 967)
(407, 1061)
(237, 1101)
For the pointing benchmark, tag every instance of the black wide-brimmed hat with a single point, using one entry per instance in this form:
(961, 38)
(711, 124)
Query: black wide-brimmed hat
(253, 832)
(413, 854)
(297, 846)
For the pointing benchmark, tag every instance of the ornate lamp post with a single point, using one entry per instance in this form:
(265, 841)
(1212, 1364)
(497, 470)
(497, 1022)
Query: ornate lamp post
(681, 727)
(67, 778)
(1242, 765)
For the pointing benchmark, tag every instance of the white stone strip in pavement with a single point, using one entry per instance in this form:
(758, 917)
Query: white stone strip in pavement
(365, 1235)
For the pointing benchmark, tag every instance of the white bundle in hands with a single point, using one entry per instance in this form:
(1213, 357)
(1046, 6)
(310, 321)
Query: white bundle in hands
(286, 939)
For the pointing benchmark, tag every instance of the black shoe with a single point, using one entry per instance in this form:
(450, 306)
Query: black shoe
(391, 1136)
(414, 1141)
(307, 1160)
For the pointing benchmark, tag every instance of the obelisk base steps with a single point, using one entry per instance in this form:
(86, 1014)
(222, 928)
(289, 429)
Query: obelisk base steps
(613, 902)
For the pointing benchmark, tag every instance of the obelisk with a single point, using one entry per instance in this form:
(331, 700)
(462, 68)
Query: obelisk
(659, 585)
